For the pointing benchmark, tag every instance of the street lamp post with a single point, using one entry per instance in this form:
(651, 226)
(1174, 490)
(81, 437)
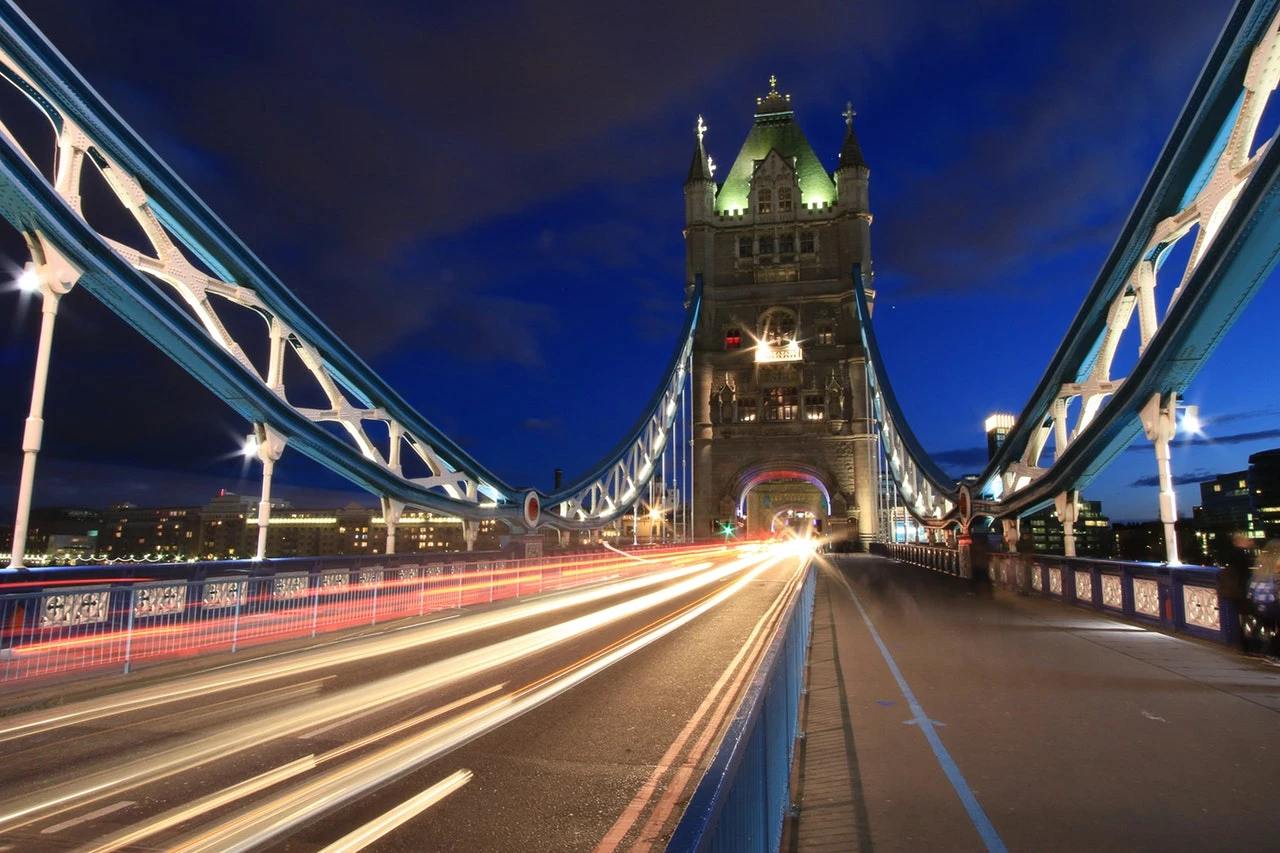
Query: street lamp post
(268, 444)
(54, 276)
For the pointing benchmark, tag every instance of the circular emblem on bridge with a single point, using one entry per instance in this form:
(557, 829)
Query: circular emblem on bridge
(532, 509)
(965, 505)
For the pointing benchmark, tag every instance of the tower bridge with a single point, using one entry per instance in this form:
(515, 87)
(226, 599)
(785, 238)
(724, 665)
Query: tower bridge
(775, 410)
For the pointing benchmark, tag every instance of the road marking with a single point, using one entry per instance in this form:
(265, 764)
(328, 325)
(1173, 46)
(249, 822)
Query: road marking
(645, 796)
(75, 821)
(979, 818)
(1151, 716)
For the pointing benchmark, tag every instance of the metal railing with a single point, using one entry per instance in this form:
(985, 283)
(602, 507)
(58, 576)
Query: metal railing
(1177, 599)
(935, 557)
(53, 626)
(743, 798)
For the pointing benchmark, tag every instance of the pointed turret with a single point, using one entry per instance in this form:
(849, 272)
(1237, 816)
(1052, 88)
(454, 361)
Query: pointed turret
(699, 186)
(852, 174)
(775, 129)
(851, 152)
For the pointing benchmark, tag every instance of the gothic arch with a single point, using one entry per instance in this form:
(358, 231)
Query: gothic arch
(750, 476)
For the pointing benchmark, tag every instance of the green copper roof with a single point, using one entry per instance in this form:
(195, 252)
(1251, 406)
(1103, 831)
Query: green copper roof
(775, 128)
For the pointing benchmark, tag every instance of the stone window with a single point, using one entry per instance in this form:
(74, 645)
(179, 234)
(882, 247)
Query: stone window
(744, 247)
(747, 409)
(806, 242)
(814, 407)
(764, 200)
(733, 339)
(784, 199)
(826, 334)
(778, 327)
(786, 245)
(781, 404)
(766, 247)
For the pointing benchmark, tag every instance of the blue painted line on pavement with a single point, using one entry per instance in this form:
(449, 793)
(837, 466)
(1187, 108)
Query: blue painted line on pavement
(986, 831)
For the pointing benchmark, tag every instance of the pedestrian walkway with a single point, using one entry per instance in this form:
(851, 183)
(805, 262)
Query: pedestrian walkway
(944, 716)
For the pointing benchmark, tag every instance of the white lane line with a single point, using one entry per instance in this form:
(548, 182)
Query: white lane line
(409, 809)
(84, 818)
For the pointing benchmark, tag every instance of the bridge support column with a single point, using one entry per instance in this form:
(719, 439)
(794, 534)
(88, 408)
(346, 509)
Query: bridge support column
(1068, 506)
(269, 446)
(1160, 423)
(391, 511)
(1010, 528)
(54, 276)
(470, 532)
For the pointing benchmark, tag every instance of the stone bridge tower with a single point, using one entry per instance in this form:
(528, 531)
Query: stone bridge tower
(782, 432)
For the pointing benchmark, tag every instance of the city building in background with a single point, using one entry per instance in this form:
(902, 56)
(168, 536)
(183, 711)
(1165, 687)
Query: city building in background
(997, 427)
(1043, 532)
(1242, 502)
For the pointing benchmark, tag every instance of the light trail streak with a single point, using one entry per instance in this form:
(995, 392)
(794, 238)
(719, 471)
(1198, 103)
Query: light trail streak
(208, 803)
(241, 704)
(305, 802)
(409, 809)
(205, 749)
(743, 662)
(257, 672)
(273, 777)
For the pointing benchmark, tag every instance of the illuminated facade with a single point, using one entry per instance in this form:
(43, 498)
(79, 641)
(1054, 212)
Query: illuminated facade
(781, 423)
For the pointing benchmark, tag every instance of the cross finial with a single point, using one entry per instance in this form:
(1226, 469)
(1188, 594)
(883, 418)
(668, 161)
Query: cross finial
(848, 113)
(702, 128)
(773, 85)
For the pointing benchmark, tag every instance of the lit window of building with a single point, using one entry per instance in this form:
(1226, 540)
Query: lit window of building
(784, 200)
(733, 339)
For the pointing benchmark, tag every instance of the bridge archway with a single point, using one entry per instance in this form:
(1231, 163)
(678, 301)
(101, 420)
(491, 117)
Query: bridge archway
(760, 494)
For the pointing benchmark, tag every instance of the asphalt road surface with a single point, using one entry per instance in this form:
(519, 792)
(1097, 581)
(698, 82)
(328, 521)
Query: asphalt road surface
(571, 721)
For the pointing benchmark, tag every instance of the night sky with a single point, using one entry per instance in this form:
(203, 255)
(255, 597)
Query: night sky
(485, 201)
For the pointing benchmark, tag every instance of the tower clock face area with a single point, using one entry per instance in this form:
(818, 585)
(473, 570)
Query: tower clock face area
(782, 433)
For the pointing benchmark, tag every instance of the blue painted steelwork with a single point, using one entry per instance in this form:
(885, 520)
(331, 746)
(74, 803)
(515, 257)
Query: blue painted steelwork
(743, 798)
(1242, 254)
(32, 204)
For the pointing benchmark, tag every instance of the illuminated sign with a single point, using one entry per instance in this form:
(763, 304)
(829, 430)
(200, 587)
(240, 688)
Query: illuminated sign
(790, 352)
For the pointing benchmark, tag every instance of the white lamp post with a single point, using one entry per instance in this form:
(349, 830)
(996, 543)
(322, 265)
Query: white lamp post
(53, 276)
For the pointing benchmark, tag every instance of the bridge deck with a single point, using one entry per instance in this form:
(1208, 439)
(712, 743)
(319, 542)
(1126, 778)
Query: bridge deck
(1067, 730)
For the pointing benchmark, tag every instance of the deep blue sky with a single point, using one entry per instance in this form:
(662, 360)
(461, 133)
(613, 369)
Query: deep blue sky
(485, 201)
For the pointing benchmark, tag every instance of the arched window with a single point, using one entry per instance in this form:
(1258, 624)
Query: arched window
(764, 200)
(778, 327)
(781, 404)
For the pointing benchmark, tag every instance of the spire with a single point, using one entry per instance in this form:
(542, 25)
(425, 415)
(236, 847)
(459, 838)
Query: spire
(701, 169)
(773, 104)
(851, 153)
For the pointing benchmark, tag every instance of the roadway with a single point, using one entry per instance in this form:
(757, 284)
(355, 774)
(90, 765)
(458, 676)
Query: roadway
(948, 716)
(549, 723)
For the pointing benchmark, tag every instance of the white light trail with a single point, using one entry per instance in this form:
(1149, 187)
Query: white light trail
(116, 779)
(330, 656)
(409, 809)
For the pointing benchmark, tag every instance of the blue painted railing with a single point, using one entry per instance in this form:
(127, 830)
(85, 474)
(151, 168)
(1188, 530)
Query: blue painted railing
(1176, 599)
(742, 801)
